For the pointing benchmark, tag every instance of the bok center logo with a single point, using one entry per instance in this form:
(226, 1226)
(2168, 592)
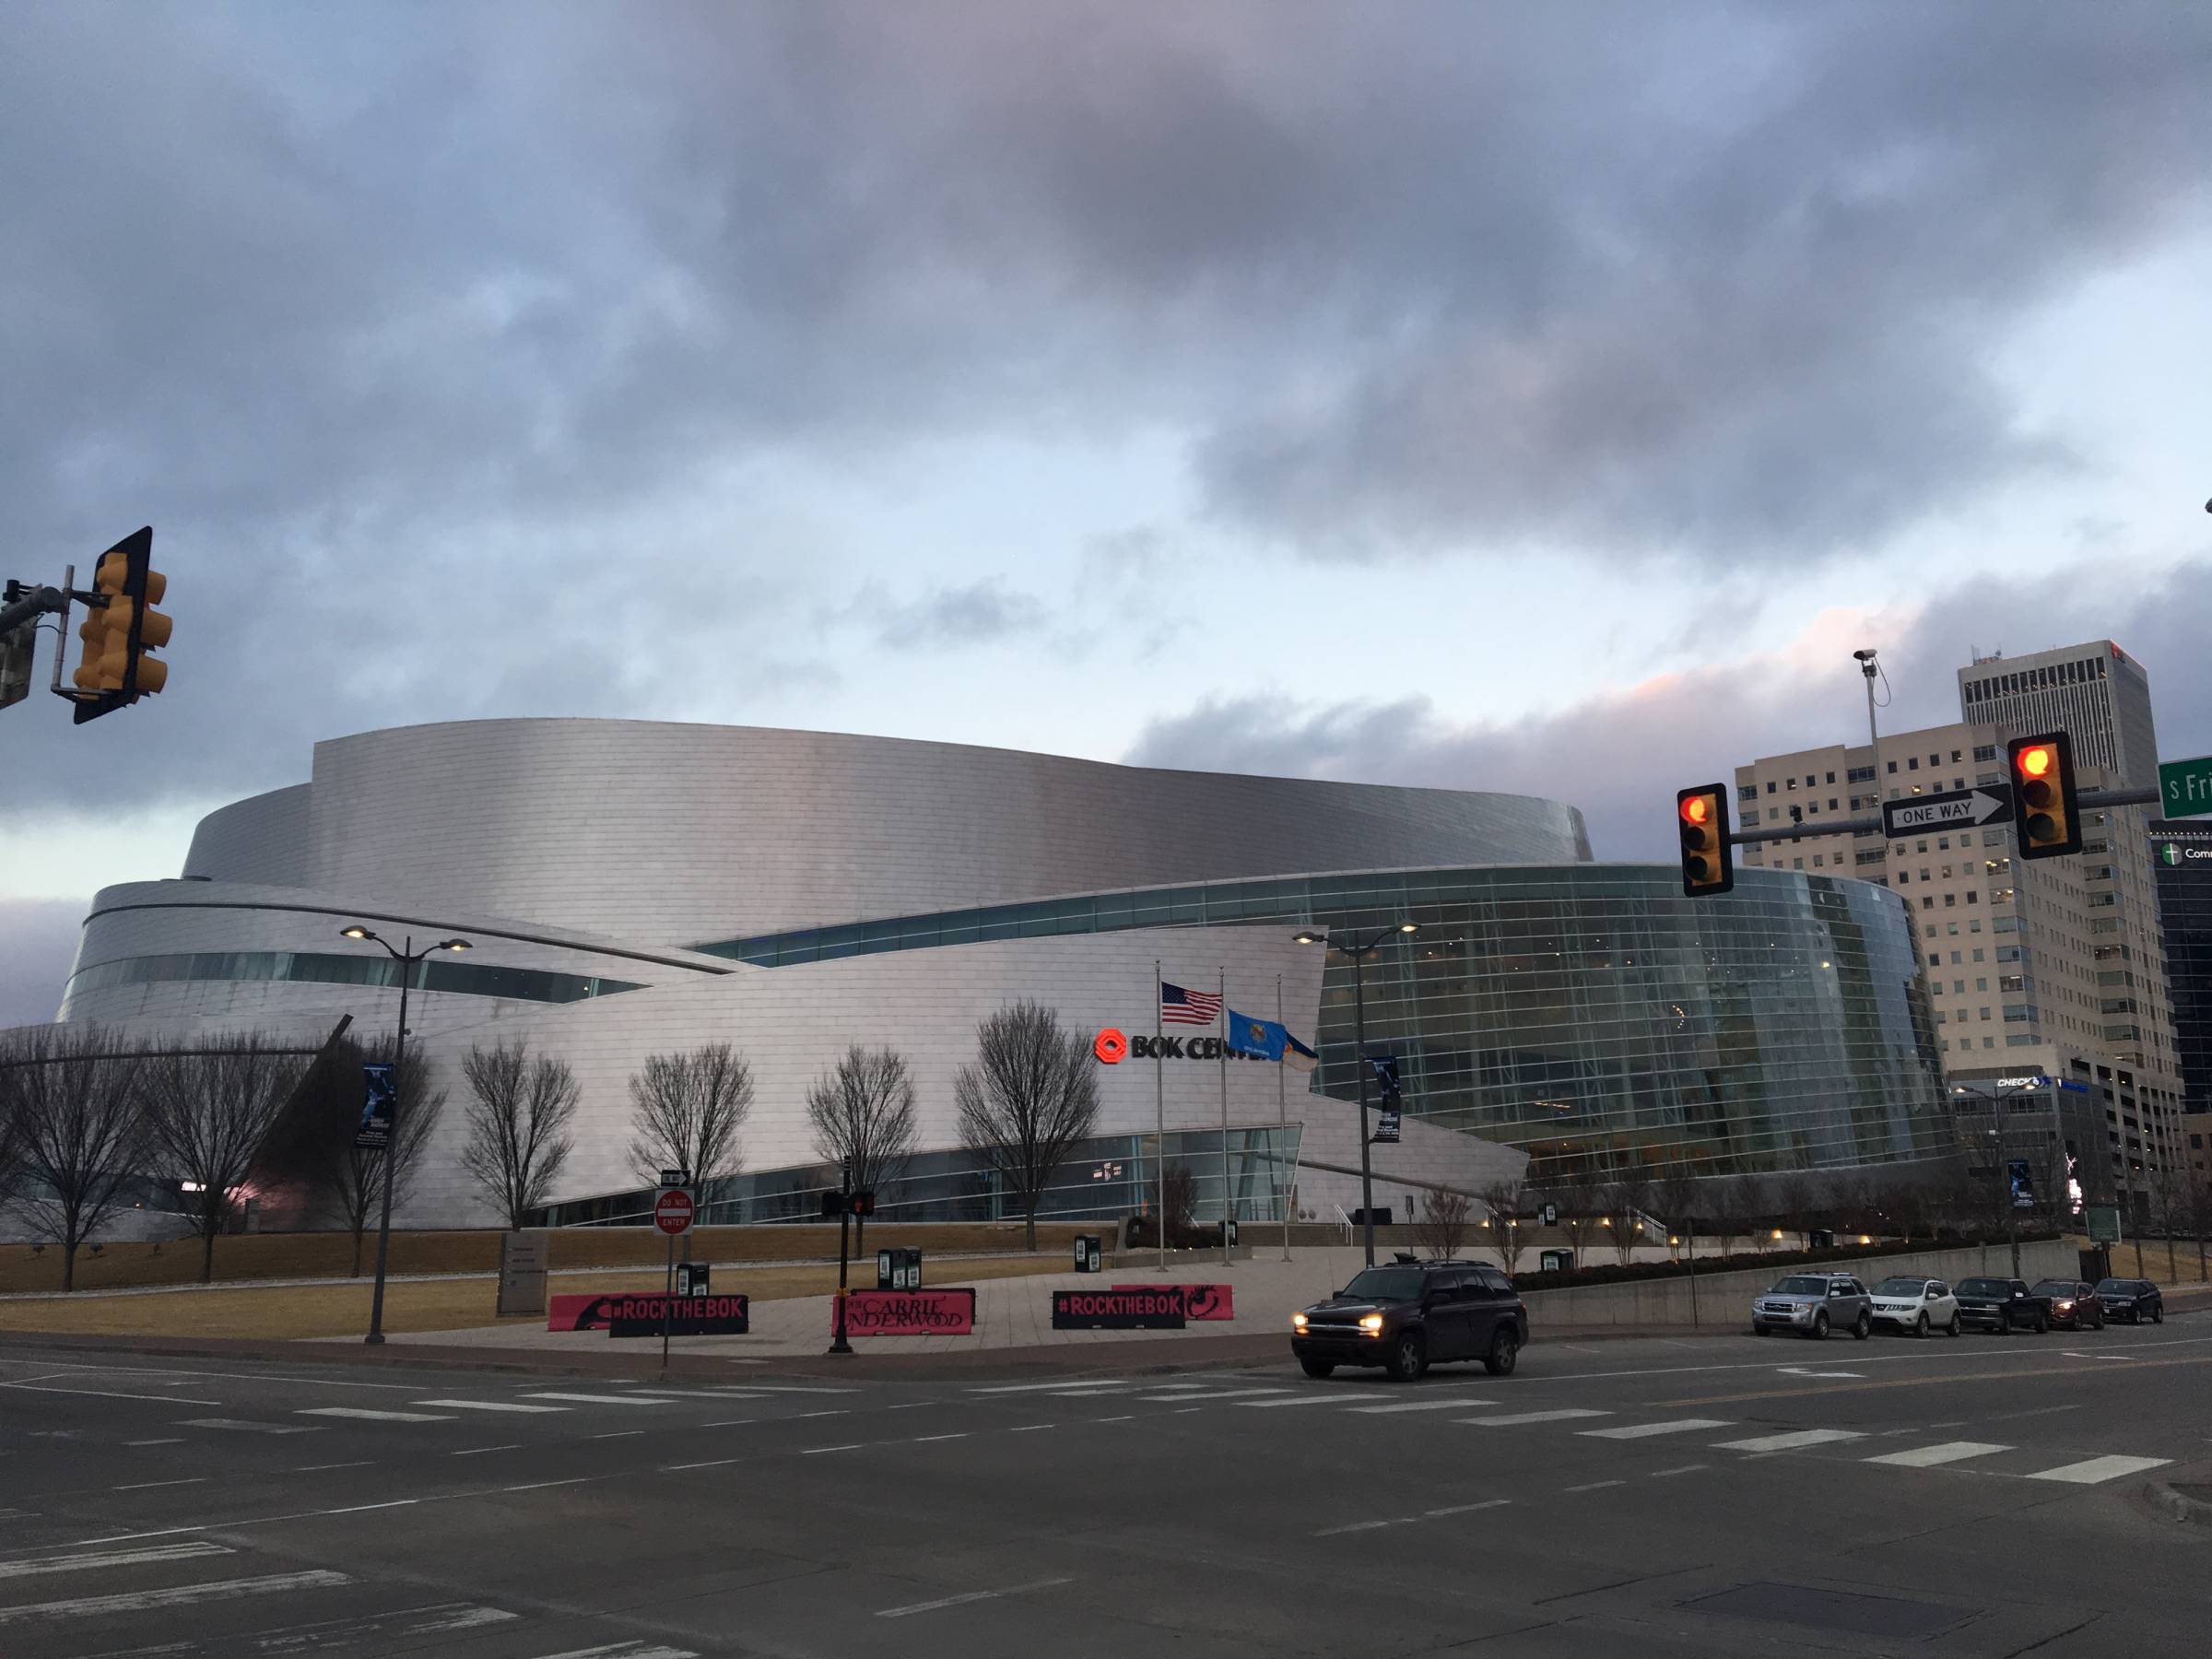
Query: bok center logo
(1110, 1046)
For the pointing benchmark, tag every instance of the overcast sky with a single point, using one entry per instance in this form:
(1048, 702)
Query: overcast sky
(1523, 396)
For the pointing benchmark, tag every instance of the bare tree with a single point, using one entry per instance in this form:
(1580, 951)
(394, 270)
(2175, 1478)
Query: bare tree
(2200, 1219)
(2170, 1201)
(208, 1108)
(518, 1126)
(1442, 1226)
(686, 1109)
(1797, 1199)
(1626, 1200)
(1506, 1202)
(80, 1125)
(863, 1118)
(1577, 1190)
(1029, 1094)
(1676, 1192)
(312, 1144)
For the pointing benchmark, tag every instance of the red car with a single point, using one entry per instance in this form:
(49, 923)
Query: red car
(2074, 1305)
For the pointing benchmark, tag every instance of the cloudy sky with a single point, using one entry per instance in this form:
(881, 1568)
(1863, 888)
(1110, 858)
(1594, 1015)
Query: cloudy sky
(1537, 397)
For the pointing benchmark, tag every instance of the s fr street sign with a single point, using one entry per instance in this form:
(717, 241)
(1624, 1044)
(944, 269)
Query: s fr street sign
(2185, 787)
(1960, 809)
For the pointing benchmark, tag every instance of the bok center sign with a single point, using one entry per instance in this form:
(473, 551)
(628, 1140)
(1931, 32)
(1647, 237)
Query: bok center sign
(1960, 809)
(1112, 1045)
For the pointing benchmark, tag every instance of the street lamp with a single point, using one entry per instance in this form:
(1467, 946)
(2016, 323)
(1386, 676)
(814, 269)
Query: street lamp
(1996, 1118)
(408, 957)
(1351, 944)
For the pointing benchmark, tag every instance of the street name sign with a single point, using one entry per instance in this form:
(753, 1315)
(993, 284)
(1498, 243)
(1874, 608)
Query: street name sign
(1960, 809)
(2185, 787)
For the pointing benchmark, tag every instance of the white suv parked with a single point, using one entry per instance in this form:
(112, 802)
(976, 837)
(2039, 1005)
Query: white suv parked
(1916, 1305)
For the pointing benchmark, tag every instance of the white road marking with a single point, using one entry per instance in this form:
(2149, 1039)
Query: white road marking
(2098, 1469)
(598, 1399)
(488, 1406)
(174, 1441)
(1534, 1417)
(731, 1423)
(1465, 1508)
(376, 1417)
(1031, 1428)
(1682, 1469)
(713, 1463)
(1115, 1419)
(926, 1439)
(360, 1509)
(539, 1485)
(112, 1558)
(1316, 1399)
(148, 1486)
(818, 1451)
(624, 1650)
(1800, 1371)
(1594, 1486)
(1230, 1393)
(181, 1596)
(1928, 1457)
(1645, 1431)
(1420, 1406)
(1355, 1526)
(480, 1451)
(971, 1595)
(242, 1427)
(108, 1394)
(619, 1434)
(1000, 1388)
(1788, 1442)
(803, 1415)
(318, 1469)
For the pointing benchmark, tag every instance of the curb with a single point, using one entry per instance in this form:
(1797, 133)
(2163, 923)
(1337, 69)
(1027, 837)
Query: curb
(2178, 1505)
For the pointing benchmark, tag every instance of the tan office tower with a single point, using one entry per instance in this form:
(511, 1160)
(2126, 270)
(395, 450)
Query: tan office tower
(2052, 969)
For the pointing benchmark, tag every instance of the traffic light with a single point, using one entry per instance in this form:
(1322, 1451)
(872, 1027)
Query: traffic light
(120, 629)
(864, 1203)
(2042, 779)
(1707, 864)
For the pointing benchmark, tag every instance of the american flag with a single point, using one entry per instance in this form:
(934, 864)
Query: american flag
(1178, 1006)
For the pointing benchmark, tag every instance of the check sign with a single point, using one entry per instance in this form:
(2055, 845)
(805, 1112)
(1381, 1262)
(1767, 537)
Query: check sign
(1960, 809)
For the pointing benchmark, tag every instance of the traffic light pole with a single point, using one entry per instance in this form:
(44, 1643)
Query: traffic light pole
(838, 1344)
(1869, 825)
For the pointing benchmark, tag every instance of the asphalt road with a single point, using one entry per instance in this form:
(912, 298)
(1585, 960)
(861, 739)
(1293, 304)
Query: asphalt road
(1702, 1497)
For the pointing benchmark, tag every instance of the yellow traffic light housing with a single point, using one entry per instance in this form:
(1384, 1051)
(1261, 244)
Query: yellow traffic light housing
(1708, 860)
(2042, 779)
(120, 628)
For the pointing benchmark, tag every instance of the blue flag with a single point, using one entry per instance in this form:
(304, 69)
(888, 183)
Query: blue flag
(1262, 1039)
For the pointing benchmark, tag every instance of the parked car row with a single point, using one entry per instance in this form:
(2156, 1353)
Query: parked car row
(1814, 1304)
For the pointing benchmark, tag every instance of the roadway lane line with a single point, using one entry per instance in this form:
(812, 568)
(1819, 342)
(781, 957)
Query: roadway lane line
(1534, 1417)
(1031, 1428)
(598, 1399)
(375, 1417)
(148, 1486)
(172, 1440)
(1208, 1397)
(108, 1394)
(1645, 1430)
(730, 1423)
(840, 1411)
(359, 1508)
(1681, 1469)
(1788, 1442)
(1465, 1508)
(480, 1451)
(928, 1439)
(713, 1463)
(181, 1596)
(1006, 1388)
(1326, 1399)
(1420, 1406)
(319, 1468)
(1594, 1485)
(1929, 1457)
(114, 1558)
(2098, 1469)
(242, 1427)
(539, 1485)
(619, 1434)
(818, 1451)
(971, 1595)
(490, 1405)
(623, 1650)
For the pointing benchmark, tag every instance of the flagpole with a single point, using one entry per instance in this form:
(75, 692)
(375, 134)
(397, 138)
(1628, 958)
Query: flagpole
(1282, 1118)
(1223, 987)
(1159, 1100)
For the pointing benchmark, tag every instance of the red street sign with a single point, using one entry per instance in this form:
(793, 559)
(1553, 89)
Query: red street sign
(672, 1212)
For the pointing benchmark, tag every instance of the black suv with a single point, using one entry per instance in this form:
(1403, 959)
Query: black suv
(1411, 1314)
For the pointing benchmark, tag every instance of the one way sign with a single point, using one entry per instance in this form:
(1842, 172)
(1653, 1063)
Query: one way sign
(1962, 809)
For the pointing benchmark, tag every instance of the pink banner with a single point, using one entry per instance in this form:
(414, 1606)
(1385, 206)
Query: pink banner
(948, 1312)
(1201, 1302)
(579, 1312)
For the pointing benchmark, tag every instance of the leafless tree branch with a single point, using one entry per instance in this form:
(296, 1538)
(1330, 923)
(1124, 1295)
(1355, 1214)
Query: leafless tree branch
(1028, 1097)
(686, 1109)
(80, 1125)
(518, 1113)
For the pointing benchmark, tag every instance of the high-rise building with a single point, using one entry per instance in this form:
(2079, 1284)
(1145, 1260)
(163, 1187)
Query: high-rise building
(2049, 967)
(2182, 857)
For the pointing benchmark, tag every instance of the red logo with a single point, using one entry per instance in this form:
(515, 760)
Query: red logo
(1110, 1047)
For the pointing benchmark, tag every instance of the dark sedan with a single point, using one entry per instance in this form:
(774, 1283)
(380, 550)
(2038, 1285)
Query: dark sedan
(2074, 1305)
(2131, 1300)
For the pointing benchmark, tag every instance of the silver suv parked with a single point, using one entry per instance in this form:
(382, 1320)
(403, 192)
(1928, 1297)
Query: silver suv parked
(1814, 1304)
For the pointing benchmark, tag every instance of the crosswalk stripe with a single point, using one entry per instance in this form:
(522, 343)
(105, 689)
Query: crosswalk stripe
(245, 1428)
(376, 1417)
(1645, 1431)
(1422, 1406)
(112, 1558)
(180, 1596)
(1186, 1397)
(599, 1399)
(1534, 1417)
(487, 1406)
(1788, 1442)
(2098, 1469)
(1928, 1457)
(623, 1650)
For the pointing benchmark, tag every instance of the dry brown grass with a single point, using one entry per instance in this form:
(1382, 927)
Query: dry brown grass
(283, 1312)
(330, 1256)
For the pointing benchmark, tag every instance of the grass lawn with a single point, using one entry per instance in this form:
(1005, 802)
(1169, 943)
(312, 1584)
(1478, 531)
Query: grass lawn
(288, 1311)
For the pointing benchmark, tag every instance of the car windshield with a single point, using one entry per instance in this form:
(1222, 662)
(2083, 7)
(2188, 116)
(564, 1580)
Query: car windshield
(1986, 1288)
(1900, 1287)
(1801, 1286)
(1386, 1284)
(2115, 1287)
(2053, 1288)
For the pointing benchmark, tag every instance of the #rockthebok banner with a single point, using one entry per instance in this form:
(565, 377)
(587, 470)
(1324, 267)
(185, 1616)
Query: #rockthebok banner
(642, 1313)
(946, 1312)
(1199, 1301)
(1151, 1308)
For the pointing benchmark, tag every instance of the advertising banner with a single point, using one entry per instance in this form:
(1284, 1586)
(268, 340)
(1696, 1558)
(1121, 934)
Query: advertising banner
(693, 1316)
(1155, 1307)
(1199, 1301)
(947, 1312)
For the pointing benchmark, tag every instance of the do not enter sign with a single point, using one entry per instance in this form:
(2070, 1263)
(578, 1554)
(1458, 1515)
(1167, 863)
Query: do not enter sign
(672, 1212)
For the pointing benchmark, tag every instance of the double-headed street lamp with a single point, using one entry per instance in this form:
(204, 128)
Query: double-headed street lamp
(408, 959)
(1996, 1095)
(1351, 943)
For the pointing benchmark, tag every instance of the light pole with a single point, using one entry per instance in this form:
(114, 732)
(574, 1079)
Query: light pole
(408, 957)
(1350, 944)
(1995, 1096)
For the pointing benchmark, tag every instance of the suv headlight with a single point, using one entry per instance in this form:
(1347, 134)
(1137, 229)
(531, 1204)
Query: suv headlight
(1371, 1324)
(1298, 1321)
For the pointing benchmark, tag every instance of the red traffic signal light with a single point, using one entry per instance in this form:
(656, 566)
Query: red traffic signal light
(1708, 859)
(2042, 782)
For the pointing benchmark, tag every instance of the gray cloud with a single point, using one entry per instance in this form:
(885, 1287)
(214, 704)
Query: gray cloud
(432, 340)
(980, 614)
(42, 943)
(1622, 757)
